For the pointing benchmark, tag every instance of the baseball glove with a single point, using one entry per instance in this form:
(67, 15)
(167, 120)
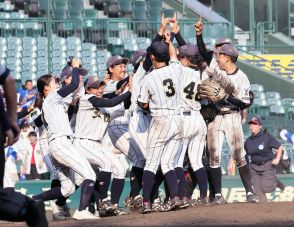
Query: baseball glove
(211, 90)
(221, 78)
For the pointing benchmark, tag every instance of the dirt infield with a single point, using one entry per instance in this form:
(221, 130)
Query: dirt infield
(237, 214)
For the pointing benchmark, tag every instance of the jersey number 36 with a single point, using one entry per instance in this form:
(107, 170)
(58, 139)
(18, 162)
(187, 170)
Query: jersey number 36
(169, 87)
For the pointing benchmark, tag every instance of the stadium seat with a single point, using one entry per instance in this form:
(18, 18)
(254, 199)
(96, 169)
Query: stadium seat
(277, 110)
(125, 7)
(113, 10)
(273, 101)
(76, 4)
(273, 95)
(139, 10)
(89, 46)
(88, 61)
(256, 87)
(60, 4)
(59, 54)
(77, 54)
(90, 14)
(169, 13)
(29, 61)
(89, 54)
(288, 101)
(60, 14)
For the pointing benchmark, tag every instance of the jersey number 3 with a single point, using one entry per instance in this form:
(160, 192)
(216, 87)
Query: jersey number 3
(169, 85)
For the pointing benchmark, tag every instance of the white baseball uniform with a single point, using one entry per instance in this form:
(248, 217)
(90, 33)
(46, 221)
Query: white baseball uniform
(140, 119)
(162, 90)
(91, 124)
(118, 131)
(228, 123)
(60, 143)
(194, 133)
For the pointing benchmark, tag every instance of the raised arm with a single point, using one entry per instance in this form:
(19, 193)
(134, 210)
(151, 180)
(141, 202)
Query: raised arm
(206, 55)
(68, 89)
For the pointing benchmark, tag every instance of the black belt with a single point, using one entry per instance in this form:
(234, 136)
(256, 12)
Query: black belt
(228, 112)
(67, 137)
(260, 163)
(187, 113)
(97, 141)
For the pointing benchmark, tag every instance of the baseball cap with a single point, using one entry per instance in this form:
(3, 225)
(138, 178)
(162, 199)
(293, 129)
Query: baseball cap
(159, 49)
(255, 120)
(188, 50)
(93, 82)
(32, 133)
(229, 49)
(138, 56)
(67, 70)
(116, 60)
(222, 41)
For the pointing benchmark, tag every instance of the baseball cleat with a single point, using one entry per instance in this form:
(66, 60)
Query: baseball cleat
(118, 211)
(134, 203)
(172, 204)
(66, 211)
(251, 198)
(83, 215)
(91, 208)
(200, 201)
(106, 205)
(219, 200)
(146, 208)
(184, 203)
(157, 206)
(57, 211)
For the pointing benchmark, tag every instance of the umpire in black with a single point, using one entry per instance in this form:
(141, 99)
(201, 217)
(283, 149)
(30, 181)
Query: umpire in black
(260, 149)
(14, 206)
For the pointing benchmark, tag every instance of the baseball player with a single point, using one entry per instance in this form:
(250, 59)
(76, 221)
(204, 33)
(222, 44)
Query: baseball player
(118, 129)
(194, 136)
(90, 116)
(228, 123)
(161, 93)
(61, 147)
(140, 121)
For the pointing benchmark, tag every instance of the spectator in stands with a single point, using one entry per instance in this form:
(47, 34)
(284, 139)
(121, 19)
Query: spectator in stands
(27, 95)
(34, 166)
(260, 148)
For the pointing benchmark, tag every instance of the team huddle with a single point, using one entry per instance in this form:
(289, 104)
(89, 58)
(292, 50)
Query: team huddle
(178, 105)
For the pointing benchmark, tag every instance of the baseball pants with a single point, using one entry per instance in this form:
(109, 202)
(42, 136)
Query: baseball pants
(228, 125)
(138, 129)
(118, 131)
(94, 153)
(43, 142)
(163, 143)
(64, 152)
(194, 138)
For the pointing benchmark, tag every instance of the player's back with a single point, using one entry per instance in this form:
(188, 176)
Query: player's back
(191, 79)
(164, 87)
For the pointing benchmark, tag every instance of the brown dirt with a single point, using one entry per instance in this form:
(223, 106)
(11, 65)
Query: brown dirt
(236, 214)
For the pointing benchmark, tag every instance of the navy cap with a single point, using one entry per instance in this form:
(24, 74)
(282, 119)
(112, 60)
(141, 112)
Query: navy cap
(93, 82)
(229, 49)
(116, 60)
(222, 41)
(188, 50)
(159, 49)
(255, 120)
(138, 56)
(67, 70)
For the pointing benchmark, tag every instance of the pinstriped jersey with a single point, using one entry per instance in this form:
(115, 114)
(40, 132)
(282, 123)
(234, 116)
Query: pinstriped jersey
(161, 88)
(190, 81)
(136, 85)
(91, 122)
(56, 119)
(119, 109)
(242, 88)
